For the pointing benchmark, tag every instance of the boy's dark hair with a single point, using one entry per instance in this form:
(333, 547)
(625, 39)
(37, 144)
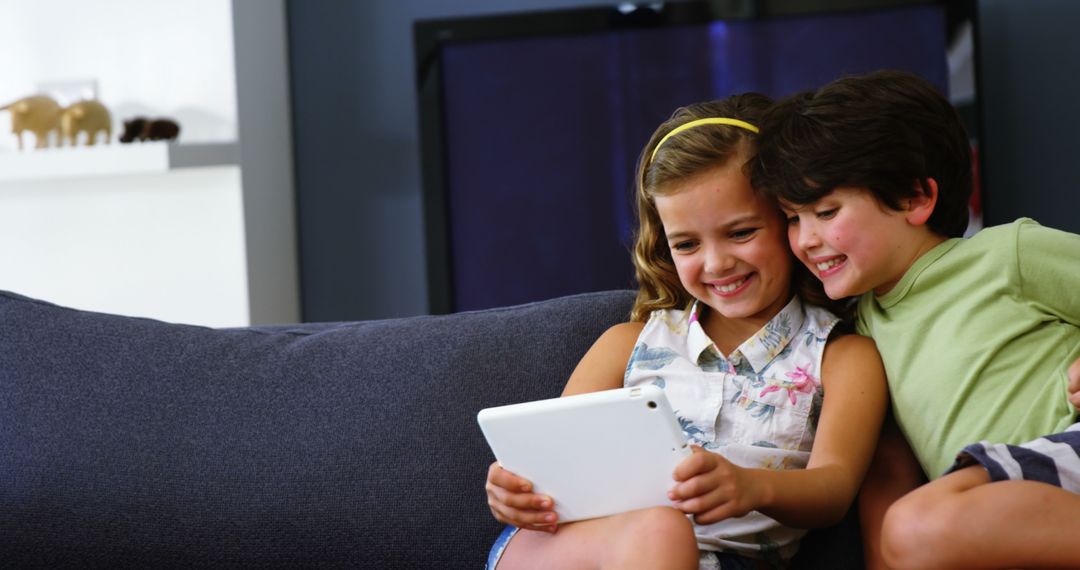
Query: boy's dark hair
(885, 131)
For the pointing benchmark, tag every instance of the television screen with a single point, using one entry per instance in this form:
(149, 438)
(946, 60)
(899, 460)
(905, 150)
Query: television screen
(531, 139)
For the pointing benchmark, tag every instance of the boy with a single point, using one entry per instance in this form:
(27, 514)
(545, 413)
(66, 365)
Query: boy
(874, 173)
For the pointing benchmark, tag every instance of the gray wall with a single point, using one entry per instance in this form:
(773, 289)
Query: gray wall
(262, 97)
(1029, 54)
(357, 157)
(357, 161)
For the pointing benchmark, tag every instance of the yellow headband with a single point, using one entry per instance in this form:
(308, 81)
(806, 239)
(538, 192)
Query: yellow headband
(699, 122)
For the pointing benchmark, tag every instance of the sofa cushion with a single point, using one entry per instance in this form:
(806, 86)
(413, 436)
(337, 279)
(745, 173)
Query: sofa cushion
(132, 442)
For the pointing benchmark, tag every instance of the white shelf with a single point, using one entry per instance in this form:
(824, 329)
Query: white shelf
(167, 245)
(113, 160)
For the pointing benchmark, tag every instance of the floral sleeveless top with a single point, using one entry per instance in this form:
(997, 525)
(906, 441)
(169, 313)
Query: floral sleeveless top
(758, 407)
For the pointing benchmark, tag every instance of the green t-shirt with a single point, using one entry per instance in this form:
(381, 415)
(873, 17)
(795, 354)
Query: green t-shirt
(976, 339)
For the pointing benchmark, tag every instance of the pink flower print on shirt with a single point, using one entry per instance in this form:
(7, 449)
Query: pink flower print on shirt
(801, 381)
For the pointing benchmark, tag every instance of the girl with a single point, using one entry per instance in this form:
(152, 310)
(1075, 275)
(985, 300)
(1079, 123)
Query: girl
(717, 324)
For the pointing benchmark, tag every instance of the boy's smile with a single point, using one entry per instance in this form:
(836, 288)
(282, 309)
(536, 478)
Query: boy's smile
(853, 244)
(828, 265)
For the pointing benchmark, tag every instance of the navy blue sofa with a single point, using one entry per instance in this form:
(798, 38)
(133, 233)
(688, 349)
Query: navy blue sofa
(128, 442)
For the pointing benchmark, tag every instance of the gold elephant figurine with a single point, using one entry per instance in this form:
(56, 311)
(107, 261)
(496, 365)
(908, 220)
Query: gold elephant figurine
(39, 114)
(87, 116)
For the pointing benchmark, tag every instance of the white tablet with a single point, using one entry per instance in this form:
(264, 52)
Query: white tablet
(595, 454)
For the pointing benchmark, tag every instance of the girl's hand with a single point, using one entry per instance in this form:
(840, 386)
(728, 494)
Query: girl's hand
(1074, 383)
(512, 502)
(711, 488)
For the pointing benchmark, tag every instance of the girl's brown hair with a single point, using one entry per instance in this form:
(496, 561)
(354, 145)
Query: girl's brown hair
(681, 157)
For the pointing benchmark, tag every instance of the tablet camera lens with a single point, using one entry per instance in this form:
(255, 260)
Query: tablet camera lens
(652, 404)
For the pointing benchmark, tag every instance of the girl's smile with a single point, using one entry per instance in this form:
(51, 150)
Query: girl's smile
(732, 287)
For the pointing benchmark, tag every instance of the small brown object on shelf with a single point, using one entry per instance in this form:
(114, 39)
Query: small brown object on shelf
(143, 129)
(39, 114)
(90, 117)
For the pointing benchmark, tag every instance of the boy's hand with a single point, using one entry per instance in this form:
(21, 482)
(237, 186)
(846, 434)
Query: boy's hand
(1074, 383)
(512, 501)
(711, 488)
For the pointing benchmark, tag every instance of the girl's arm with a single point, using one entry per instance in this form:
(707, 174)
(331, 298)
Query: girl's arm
(714, 489)
(602, 368)
(604, 365)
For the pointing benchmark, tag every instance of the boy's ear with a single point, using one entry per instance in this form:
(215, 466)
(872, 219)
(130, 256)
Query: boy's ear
(921, 205)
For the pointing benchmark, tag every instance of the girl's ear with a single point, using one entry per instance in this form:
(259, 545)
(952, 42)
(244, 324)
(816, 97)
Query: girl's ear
(921, 205)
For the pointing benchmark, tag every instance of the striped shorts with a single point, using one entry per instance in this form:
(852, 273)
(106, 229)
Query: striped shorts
(1053, 459)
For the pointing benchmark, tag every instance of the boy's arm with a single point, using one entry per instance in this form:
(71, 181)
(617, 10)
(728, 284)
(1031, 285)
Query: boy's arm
(1049, 267)
(1074, 383)
(1048, 261)
(893, 472)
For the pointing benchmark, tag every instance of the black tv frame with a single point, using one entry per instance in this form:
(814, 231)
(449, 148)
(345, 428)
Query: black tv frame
(429, 37)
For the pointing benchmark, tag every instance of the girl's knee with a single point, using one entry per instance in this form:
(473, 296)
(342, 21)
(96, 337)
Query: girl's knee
(660, 537)
(662, 533)
(666, 522)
